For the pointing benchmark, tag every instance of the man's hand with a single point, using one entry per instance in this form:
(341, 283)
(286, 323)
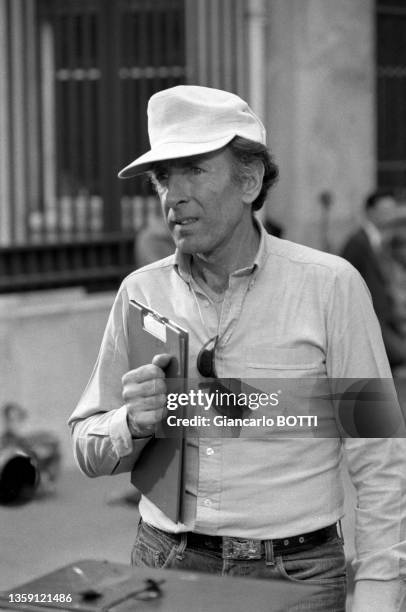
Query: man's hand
(379, 596)
(144, 393)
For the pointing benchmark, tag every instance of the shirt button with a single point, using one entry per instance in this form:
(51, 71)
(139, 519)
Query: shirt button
(207, 502)
(209, 451)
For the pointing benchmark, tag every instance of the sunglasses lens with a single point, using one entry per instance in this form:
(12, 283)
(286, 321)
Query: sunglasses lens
(205, 363)
(205, 360)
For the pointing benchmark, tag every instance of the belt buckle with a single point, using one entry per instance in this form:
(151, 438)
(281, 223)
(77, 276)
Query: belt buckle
(241, 548)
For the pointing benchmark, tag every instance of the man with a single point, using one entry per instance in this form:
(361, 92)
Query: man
(364, 250)
(264, 308)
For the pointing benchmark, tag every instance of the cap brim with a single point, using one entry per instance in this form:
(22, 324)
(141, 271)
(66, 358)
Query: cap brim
(172, 150)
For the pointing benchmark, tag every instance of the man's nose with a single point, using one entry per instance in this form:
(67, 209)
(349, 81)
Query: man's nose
(177, 189)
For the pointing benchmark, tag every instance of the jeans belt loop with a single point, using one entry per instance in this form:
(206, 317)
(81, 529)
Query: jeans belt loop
(269, 555)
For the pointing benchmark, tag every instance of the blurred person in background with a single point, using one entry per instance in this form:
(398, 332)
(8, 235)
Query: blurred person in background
(153, 241)
(366, 251)
(396, 230)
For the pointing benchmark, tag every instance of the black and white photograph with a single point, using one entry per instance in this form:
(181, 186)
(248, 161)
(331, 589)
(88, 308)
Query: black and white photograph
(203, 305)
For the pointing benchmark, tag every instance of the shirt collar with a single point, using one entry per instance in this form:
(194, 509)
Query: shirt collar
(182, 261)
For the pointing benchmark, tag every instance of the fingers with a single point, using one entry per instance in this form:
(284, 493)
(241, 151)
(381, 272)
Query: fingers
(144, 394)
(143, 374)
(149, 388)
(150, 371)
(162, 361)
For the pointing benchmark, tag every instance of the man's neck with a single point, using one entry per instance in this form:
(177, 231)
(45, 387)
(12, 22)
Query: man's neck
(215, 269)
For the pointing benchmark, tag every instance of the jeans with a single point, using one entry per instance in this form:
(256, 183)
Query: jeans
(323, 565)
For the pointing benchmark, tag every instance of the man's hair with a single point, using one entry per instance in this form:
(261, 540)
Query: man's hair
(245, 152)
(373, 198)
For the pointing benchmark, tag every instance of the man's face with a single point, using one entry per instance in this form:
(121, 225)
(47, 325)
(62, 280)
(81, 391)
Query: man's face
(383, 211)
(202, 204)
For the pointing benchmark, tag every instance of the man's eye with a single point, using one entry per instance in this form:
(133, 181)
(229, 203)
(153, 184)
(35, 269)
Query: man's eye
(196, 170)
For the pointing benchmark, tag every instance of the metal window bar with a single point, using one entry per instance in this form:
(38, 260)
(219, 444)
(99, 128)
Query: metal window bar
(216, 43)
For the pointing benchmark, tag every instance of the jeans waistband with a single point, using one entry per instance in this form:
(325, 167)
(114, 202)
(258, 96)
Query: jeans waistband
(247, 548)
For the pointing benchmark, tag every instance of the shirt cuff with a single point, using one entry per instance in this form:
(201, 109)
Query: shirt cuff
(119, 433)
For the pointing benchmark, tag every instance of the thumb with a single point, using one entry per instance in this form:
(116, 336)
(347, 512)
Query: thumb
(162, 360)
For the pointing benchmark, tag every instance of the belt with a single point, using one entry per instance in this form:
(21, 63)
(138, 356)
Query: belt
(242, 548)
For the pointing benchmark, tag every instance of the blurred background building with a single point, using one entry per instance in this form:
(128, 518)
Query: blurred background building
(327, 76)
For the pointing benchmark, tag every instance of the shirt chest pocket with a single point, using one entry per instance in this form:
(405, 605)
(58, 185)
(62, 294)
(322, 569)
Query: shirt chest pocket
(262, 360)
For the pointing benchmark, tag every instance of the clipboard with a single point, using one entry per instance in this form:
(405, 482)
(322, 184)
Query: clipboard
(158, 472)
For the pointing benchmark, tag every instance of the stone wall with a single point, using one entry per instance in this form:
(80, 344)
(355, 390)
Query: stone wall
(320, 110)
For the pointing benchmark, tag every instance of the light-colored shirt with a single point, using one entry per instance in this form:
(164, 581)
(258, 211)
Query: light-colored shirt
(295, 312)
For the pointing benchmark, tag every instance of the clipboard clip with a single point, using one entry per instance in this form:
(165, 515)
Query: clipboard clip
(155, 325)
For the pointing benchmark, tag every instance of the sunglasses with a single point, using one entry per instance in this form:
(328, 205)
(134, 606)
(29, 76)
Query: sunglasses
(206, 367)
(205, 360)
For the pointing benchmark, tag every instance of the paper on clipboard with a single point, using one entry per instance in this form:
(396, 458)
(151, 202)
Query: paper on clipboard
(158, 471)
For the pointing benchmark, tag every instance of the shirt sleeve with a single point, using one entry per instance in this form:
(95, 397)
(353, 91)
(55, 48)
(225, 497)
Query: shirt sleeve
(377, 466)
(102, 442)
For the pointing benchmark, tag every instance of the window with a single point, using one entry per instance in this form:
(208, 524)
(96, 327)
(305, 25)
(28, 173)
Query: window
(101, 61)
(391, 94)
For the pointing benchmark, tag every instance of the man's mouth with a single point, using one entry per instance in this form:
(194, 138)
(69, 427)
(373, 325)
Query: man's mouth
(186, 221)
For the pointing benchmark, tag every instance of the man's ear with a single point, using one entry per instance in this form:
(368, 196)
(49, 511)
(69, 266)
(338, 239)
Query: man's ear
(252, 183)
